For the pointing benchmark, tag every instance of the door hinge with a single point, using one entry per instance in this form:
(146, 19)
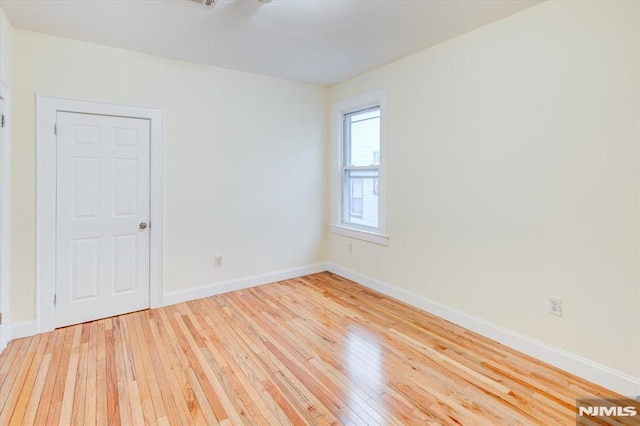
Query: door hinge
(55, 129)
(2, 121)
(55, 298)
(0, 319)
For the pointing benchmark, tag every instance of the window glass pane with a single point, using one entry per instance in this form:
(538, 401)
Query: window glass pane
(361, 197)
(363, 147)
(356, 198)
(356, 188)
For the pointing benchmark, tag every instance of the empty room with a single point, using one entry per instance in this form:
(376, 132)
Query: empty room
(311, 212)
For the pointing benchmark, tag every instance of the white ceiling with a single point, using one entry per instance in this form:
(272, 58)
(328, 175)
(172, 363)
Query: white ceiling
(316, 41)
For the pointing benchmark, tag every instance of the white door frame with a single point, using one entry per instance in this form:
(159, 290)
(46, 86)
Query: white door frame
(5, 178)
(46, 110)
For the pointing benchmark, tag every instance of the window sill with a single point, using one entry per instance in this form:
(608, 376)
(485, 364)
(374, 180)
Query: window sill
(360, 234)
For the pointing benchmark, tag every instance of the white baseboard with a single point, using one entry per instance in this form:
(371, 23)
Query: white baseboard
(602, 375)
(29, 328)
(171, 298)
(21, 329)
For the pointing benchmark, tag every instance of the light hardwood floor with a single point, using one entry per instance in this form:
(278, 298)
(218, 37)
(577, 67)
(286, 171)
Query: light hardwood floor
(313, 350)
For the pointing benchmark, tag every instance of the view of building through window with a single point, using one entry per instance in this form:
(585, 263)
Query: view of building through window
(361, 167)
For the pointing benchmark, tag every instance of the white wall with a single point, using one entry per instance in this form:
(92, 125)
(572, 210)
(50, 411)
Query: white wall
(6, 48)
(513, 176)
(244, 159)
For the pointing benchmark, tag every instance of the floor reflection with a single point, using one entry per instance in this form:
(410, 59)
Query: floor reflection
(364, 363)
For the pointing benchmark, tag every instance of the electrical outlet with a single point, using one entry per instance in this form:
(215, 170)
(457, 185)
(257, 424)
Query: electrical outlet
(349, 248)
(555, 306)
(217, 261)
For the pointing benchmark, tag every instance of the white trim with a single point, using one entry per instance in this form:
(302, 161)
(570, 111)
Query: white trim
(29, 328)
(46, 109)
(345, 106)
(5, 192)
(360, 234)
(18, 330)
(602, 375)
(213, 289)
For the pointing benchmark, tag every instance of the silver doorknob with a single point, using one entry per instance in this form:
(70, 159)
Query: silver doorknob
(143, 226)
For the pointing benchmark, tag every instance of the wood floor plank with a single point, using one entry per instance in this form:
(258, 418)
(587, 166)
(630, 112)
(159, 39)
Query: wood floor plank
(81, 377)
(66, 413)
(10, 398)
(101, 376)
(34, 399)
(57, 393)
(174, 411)
(89, 414)
(144, 383)
(203, 378)
(228, 368)
(44, 399)
(144, 367)
(313, 350)
(13, 351)
(113, 408)
(183, 393)
(124, 406)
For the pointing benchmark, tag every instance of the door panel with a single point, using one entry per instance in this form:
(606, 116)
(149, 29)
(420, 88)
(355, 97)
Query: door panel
(125, 172)
(102, 262)
(86, 187)
(85, 261)
(125, 265)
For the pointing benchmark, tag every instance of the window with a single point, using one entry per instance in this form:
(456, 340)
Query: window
(359, 209)
(360, 142)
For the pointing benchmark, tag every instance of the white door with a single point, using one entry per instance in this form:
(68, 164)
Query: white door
(102, 224)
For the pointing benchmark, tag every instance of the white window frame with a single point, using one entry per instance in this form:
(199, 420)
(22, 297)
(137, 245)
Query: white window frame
(377, 98)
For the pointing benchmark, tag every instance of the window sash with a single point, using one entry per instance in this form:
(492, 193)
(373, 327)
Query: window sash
(346, 132)
(347, 202)
(347, 208)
